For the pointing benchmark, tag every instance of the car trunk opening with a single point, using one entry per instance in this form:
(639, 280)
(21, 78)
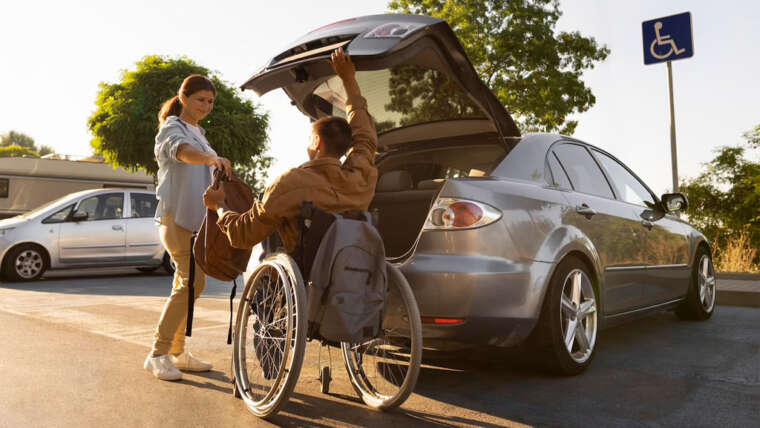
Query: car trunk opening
(411, 69)
(411, 180)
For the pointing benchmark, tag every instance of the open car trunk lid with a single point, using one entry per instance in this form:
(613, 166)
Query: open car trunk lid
(418, 82)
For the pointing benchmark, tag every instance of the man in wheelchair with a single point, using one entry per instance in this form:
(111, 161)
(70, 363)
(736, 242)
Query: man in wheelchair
(327, 183)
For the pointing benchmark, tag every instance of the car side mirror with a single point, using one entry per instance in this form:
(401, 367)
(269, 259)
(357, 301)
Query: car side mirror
(79, 216)
(674, 202)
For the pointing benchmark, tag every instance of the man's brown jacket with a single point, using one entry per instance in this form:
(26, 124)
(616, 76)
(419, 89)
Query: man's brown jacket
(329, 185)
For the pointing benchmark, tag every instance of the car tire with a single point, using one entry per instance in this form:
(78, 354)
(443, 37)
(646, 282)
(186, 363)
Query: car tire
(167, 264)
(26, 262)
(564, 338)
(699, 304)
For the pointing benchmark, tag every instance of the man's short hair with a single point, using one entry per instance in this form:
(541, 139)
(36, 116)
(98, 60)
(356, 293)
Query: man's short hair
(335, 133)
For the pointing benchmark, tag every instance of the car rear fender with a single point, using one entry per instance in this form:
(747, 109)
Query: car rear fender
(568, 241)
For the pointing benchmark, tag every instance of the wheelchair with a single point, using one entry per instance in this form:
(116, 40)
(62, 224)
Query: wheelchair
(271, 331)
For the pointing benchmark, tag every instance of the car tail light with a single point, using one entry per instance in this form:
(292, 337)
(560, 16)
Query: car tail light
(441, 321)
(334, 24)
(394, 30)
(450, 213)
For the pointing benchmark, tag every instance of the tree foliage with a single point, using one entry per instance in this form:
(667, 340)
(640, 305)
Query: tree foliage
(724, 200)
(17, 151)
(534, 70)
(14, 138)
(19, 139)
(125, 121)
(426, 95)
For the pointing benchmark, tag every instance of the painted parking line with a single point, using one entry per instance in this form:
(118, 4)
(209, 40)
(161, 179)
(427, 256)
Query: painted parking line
(131, 319)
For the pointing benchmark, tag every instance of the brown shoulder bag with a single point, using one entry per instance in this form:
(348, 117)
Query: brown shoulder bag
(212, 249)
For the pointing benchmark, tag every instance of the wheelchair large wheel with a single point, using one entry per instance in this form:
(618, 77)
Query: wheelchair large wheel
(384, 370)
(270, 335)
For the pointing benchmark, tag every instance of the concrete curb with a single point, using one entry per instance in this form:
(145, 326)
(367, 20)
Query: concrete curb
(737, 298)
(738, 275)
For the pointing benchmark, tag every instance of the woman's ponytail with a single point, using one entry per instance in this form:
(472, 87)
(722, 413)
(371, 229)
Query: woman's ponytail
(171, 107)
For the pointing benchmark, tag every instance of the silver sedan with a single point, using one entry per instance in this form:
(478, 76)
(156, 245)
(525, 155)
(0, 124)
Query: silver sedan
(504, 237)
(91, 228)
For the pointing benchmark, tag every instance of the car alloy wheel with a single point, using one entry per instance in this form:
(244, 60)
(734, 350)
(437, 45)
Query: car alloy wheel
(29, 263)
(578, 316)
(706, 283)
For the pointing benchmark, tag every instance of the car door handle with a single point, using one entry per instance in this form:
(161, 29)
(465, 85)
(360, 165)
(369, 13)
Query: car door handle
(585, 211)
(117, 227)
(648, 224)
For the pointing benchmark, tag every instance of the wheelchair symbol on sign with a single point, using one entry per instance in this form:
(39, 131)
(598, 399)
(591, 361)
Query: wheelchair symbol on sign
(661, 40)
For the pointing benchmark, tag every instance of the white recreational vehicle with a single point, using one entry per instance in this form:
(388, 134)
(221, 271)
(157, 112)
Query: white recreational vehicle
(26, 183)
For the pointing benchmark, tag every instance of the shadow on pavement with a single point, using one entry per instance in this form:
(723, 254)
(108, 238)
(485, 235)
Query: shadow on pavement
(649, 370)
(309, 411)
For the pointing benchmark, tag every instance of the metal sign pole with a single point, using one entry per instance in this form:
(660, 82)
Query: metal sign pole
(673, 155)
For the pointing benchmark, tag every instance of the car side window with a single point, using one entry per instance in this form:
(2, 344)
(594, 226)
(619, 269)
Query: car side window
(103, 207)
(59, 216)
(560, 177)
(583, 171)
(143, 205)
(627, 186)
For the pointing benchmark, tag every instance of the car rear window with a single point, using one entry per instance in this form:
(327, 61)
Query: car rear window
(143, 205)
(583, 171)
(401, 96)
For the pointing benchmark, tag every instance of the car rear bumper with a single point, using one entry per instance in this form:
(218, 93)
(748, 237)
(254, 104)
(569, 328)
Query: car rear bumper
(498, 300)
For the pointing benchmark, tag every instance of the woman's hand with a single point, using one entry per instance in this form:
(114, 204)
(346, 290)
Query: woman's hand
(222, 164)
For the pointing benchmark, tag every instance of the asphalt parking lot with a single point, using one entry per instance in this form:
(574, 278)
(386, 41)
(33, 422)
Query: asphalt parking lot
(73, 346)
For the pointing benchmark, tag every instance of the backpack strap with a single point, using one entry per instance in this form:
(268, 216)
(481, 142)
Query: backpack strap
(191, 290)
(232, 297)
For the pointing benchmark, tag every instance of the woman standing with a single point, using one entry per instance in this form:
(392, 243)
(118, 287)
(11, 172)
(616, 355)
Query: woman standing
(185, 163)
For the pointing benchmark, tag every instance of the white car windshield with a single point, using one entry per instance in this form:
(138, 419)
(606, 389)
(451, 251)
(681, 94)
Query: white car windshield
(45, 206)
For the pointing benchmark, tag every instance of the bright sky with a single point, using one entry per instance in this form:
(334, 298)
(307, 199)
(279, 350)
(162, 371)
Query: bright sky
(55, 54)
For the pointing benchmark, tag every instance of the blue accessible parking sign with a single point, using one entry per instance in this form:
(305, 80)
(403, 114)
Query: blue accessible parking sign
(668, 38)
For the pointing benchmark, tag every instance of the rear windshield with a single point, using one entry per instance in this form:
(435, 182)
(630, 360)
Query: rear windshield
(401, 96)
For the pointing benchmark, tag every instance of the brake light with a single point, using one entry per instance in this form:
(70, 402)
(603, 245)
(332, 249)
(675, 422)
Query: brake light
(334, 24)
(441, 321)
(394, 30)
(449, 213)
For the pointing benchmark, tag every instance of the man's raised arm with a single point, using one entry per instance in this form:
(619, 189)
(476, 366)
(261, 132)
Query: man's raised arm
(364, 134)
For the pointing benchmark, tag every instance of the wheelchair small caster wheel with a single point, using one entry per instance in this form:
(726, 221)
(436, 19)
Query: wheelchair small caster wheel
(324, 377)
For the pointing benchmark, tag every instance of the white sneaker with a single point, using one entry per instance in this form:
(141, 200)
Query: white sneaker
(186, 361)
(162, 368)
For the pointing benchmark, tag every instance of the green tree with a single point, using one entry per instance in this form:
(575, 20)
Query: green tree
(534, 70)
(20, 139)
(45, 150)
(724, 199)
(426, 95)
(125, 121)
(17, 151)
(14, 138)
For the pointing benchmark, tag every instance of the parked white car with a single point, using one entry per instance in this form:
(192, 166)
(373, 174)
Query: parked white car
(91, 228)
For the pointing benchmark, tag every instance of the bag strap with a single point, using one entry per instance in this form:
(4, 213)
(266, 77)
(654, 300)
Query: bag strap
(232, 297)
(191, 290)
(217, 179)
(307, 211)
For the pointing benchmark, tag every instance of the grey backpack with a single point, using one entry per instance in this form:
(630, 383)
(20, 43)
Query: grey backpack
(347, 282)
